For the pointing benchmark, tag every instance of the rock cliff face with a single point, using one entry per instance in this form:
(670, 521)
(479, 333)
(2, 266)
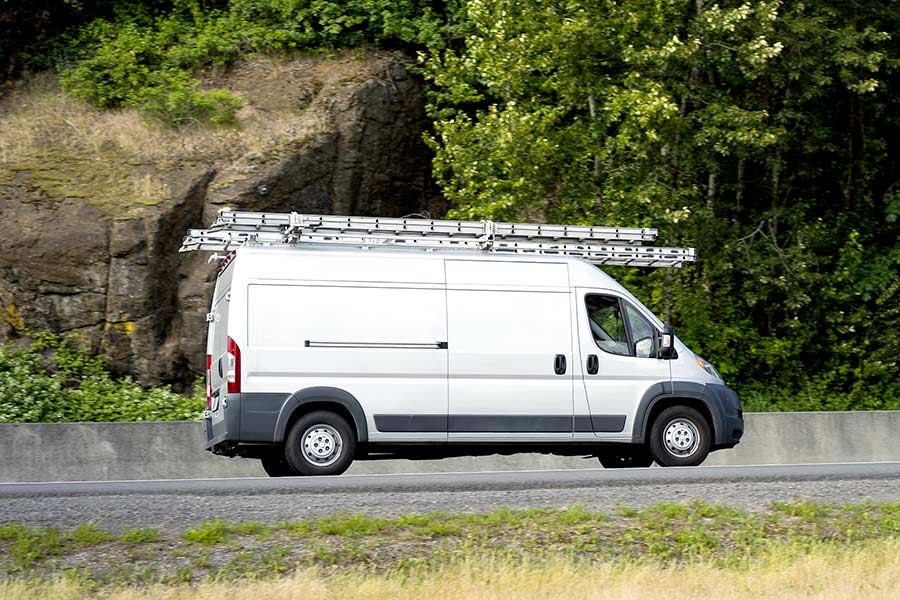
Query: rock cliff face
(90, 227)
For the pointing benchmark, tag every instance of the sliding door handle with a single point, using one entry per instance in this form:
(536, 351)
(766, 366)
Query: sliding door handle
(559, 364)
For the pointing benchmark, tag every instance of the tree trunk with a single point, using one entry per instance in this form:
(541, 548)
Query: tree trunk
(592, 106)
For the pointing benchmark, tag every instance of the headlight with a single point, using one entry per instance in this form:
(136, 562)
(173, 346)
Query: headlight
(707, 366)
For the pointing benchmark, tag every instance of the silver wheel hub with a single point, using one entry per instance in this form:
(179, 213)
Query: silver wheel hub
(322, 445)
(682, 437)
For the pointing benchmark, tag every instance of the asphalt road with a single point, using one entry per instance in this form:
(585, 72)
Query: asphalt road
(180, 504)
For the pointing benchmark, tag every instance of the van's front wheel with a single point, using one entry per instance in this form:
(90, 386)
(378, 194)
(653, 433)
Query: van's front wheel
(320, 443)
(680, 437)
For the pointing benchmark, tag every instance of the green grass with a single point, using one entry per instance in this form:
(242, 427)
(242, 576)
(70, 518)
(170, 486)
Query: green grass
(718, 535)
(218, 532)
(353, 526)
(853, 572)
(140, 536)
(28, 546)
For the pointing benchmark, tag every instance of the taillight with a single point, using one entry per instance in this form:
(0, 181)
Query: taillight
(233, 373)
(208, 380)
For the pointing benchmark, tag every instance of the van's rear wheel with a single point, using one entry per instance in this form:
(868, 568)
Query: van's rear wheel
(680, 437)
(626, 458)
(320, 443)
(277, 465)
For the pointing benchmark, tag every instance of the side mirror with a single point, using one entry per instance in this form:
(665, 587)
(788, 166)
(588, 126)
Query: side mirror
(667, 344)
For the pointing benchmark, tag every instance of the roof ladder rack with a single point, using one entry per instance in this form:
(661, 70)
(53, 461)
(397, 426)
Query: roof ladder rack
(611, 246)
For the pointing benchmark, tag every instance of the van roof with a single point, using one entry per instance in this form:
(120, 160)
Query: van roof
(581, 273)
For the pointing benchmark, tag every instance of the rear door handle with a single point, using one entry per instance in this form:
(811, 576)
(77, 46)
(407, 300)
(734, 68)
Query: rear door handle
(559, 364)
(593, 364)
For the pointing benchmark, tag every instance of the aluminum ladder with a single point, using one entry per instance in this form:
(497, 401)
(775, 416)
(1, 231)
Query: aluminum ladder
(609, 246)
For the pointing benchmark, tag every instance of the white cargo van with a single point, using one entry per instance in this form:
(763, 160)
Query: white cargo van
(319, 354)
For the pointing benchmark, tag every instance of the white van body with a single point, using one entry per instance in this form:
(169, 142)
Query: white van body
(432, 354)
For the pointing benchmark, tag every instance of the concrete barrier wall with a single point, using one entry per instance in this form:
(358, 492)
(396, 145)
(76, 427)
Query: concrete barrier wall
(174, 450)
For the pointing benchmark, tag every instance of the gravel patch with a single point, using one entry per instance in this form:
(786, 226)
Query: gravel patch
(177, 512)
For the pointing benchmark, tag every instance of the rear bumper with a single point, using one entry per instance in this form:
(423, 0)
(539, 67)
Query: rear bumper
(223, 427)
(219, 444)
(228, 445)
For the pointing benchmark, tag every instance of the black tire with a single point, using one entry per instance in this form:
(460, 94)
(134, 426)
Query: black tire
(680, 437)
(320, 443)
(627, 457)
(277, 465)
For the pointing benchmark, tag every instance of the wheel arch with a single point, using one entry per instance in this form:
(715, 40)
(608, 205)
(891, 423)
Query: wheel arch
(322, 398)
(686, 393)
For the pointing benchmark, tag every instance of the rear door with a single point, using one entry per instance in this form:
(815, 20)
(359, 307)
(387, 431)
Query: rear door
(510, 351)
(216, 353)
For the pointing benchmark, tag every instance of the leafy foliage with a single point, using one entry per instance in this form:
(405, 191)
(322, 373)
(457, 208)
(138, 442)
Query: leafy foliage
(54, 380)
(146, 54)
(764, 134)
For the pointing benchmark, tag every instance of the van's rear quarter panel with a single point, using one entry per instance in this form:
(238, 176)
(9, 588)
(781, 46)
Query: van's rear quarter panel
(282, 318)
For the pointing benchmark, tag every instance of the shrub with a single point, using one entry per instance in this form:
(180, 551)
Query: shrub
(177, 100)
(134, 65)
(146, 55)
(55, 380)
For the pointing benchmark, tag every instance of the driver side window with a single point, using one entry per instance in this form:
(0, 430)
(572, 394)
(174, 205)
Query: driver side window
(607, 324)
(628, 334)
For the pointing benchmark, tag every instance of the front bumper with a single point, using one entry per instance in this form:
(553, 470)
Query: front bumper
(730, 428)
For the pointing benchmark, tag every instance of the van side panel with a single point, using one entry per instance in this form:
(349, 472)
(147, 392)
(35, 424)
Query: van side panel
(507, 275)
(384, 345)
(508, 323)
(328, 267)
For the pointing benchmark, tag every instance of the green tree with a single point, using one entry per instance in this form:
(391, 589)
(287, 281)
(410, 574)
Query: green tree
(762, 133)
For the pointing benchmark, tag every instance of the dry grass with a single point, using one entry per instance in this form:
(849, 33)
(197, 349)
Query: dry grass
(342, 546)
(871, 570)
(111, 158)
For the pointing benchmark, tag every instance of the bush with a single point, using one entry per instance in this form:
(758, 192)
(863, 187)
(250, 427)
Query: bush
(55, 380)
(177, 100)
(146, 55)
(134, 65)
